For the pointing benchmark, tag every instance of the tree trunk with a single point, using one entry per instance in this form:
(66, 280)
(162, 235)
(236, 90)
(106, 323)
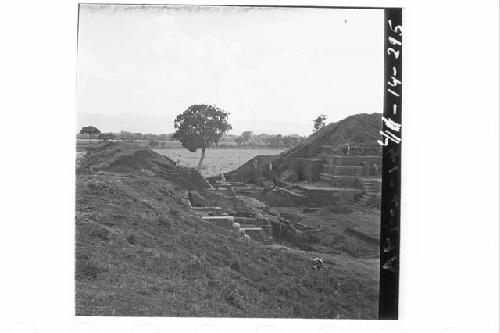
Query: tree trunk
(200, 163)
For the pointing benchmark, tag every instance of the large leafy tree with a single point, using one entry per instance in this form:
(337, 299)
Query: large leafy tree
(90, 130)
(201, 126)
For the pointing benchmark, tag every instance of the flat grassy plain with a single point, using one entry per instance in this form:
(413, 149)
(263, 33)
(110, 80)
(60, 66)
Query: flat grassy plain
(217, 160)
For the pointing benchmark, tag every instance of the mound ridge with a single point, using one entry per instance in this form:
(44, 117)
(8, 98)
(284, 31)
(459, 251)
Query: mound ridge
(359, 130)
(127, 158)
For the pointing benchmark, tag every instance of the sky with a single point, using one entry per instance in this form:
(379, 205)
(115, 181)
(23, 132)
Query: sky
(273, 69)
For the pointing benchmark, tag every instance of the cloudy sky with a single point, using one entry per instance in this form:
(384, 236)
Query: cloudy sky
(273, 69)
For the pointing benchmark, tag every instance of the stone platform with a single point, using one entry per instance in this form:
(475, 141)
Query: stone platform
(325, 194)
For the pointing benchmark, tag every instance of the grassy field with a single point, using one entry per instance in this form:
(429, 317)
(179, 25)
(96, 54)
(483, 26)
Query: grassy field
(217, 160)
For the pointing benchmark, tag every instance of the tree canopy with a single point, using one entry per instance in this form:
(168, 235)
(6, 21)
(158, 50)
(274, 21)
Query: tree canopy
(243, 138)
(105, 137)
(201, 126)
(90, 130)
(319, 122)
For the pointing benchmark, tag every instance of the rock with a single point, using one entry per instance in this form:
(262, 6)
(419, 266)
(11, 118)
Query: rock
(184, 199)
(289, 176)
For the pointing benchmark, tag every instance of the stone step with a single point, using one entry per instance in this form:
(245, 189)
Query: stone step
(350, 160)
(340, 181)
(252, 229)
(374, 185)
(206, 208)
(207, 211)
(223, 221)
(341, 170)
(367, 197)
(218, 218)
(250, 220)
(296, 194)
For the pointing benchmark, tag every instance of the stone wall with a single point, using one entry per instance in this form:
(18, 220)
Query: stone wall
(307, 169)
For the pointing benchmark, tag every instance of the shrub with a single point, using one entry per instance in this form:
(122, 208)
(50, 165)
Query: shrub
(310, 238)
(132, 239)
(174, 212)
(164, 221)
(86, 268)
(235, 265)
(192, 270)
(232, 296)
(101, 233)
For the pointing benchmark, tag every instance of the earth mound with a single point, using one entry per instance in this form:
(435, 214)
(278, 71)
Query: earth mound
(129, 158)
(360, 130)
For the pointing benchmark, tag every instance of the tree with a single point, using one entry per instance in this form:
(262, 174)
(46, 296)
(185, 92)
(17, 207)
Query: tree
(247, 135)
(199, 127)
(243, 138)
(126, 136)
(291, 140)
(90, 130)
(319, 122)
(153, 143)
(106, 137)
(239, 140)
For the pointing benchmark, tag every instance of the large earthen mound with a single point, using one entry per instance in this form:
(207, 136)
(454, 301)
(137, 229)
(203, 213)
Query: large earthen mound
(360, 130)
(128, 158)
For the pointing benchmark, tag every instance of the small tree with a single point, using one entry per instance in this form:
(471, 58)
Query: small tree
(90, 130)
(106, 137)
(199, 127)
(153, 143)
(319, 122)
(247, 135)
(243, 138)
(239, 140)
(291, 140)
(126, 136)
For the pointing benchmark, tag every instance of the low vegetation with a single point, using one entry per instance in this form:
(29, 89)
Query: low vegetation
(140, 251)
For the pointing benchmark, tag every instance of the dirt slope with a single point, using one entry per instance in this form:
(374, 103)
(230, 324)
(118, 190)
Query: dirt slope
(359, 130)
(134, 159)
(141, 251)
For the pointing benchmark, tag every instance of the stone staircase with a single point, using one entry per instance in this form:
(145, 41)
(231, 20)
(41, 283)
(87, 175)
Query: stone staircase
(352, 172)
(372, 192)
(255, 228)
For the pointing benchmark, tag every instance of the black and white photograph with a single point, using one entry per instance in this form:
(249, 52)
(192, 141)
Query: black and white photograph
(228, 162)
(251, 167)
